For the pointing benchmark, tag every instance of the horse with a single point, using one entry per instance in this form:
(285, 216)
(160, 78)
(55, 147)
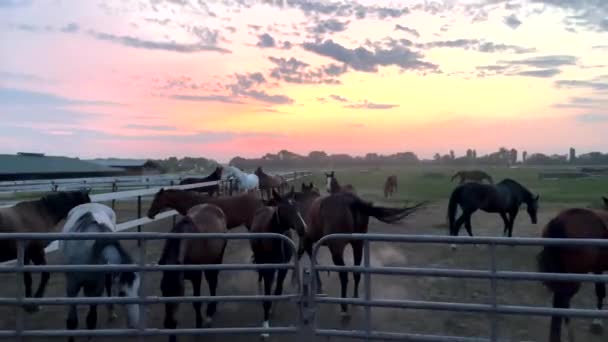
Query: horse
(216, 175)
(503, 198)
(333, 186)
(245, 181)
(473, 175)
(239, 209)
(96, 218)
(38, 216)
(346, 213)
(574, 223)
(202, 218)
(268, 182)
(274, 219)
(390, 185)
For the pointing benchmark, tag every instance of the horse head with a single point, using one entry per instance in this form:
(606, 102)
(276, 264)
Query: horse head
(158, 203)
(329, 177)
(288, 211)
(533, 208)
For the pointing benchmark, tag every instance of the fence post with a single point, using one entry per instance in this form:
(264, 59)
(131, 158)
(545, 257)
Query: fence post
(173, 218)
(142, 293)
(139, 216)
(368, 289)
(307, 308)
(493, 295)
(20, 290)
(114, 189)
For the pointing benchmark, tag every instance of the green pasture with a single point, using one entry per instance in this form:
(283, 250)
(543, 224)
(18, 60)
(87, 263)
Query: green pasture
(433, 183)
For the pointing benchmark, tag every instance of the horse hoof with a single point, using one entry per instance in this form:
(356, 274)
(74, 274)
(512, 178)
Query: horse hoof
(453, 247)
(31, 308)
(597, 327)
(208, 322)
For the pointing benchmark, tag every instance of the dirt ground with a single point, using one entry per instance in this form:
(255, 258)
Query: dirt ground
(429, 221)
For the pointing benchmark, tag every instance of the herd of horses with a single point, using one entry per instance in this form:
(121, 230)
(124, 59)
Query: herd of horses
(308, 213)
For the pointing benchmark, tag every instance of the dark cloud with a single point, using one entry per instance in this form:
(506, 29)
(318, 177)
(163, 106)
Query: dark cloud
(11, 96)
(328, 26)
(230, 29)
(512, 21)
(206, 98)
(541, 73)
(600, 47)
(31, 28)
(551, 61)
(247, 85)
(161, 128)
(255, 27)
(161, 22)
(362, 59)
(372, 106)
(342, 9)
(595, 84)
(207, 36)
(338, 98)
(266, 41)
(180, 83)
(70, 28)
(578, 102)
(592, 117)
(155, 45)
(411, 31)
(295, 71)
(477, 45)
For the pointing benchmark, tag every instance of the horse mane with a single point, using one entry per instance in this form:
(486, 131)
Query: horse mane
(59, 204)
(512, 183)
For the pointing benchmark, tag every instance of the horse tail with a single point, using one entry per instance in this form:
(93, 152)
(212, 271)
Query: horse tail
(548, 259)
(385, 214)
(490, 178)
(453, 206)
(456, 175)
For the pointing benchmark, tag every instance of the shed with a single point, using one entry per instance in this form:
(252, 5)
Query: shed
(131, 166)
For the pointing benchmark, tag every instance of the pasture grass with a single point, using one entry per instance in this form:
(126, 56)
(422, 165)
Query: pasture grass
(433, 183)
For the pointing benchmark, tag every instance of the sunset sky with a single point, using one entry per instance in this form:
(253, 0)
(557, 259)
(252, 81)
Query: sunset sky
(159, 78)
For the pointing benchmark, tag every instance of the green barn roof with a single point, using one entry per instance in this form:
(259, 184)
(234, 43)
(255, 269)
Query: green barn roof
(33, 163)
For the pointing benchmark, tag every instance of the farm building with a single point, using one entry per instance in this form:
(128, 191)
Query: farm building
(132, 167)
(28, 166)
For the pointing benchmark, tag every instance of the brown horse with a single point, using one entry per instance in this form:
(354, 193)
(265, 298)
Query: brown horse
(345, 213)
(268, 182)
(216, 175)
(202, 218)
(574, 223)
(39, 216)
(472, 175)
(333, 186)
(239, 209)
(390, 185)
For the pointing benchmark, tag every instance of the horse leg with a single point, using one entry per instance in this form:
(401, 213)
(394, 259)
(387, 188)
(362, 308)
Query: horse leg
(27, 281)
(457, 224)
(195, 278)
(211, 276)
(307, 247)
(505, 219)
(560, 301)
(111, 312)
(281, 275)
(467, 223)
(72, 290)
(170, 322)
(357, 256)
(338, 260)
(512, 222)
(38, 258)
(600, 291)
(93, 291)
(268, 276)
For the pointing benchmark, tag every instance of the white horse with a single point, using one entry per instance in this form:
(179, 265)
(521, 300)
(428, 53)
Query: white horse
(245, 181)
(97, 218)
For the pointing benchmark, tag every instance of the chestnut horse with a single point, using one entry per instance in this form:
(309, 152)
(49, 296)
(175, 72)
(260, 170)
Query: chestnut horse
(473, 175)
(345, 213)
(201, 218)
(333, 186)
(574, 223)
(268, 182)
(39, 216)
(390, 185)
(239, 209)
(216, 175)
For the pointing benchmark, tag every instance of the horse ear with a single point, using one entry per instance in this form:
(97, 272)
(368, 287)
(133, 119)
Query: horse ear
(605, 201)
(537, 197)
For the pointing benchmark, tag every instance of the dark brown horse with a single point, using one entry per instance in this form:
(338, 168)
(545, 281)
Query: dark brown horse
(345, 213)
(472, 175)
(216, 175)
(390, 185)
(574, 223)
(268, 182)
(202, 218)
(39, 216)
(333, 186)
(278, 219)
(504, 198)
(239, 209)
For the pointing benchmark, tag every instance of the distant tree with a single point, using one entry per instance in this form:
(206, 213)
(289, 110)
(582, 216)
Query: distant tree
(452, 155)
(524, 156)
(572, 158)
(513, 159)
(437, 157)
(474, 154)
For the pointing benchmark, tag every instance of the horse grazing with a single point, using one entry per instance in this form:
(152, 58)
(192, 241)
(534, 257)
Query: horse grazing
(216, 175)
(239, 209)
(503, 198)
(39, 216)
(345, 213)
(268, 182)
(96, 218)
(202, 218)
(390, 185)
(473, 175)
(333, 186)
(245, 181)
(574, 223)
(275, 219)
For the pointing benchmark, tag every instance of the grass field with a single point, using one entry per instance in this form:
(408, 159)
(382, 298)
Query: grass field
(415, 184)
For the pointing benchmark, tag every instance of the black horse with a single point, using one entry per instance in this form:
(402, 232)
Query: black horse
(503, 198)
(216, 175)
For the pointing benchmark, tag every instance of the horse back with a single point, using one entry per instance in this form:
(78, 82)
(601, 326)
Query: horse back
(205, 218)
(239, 209)
(26, 217)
